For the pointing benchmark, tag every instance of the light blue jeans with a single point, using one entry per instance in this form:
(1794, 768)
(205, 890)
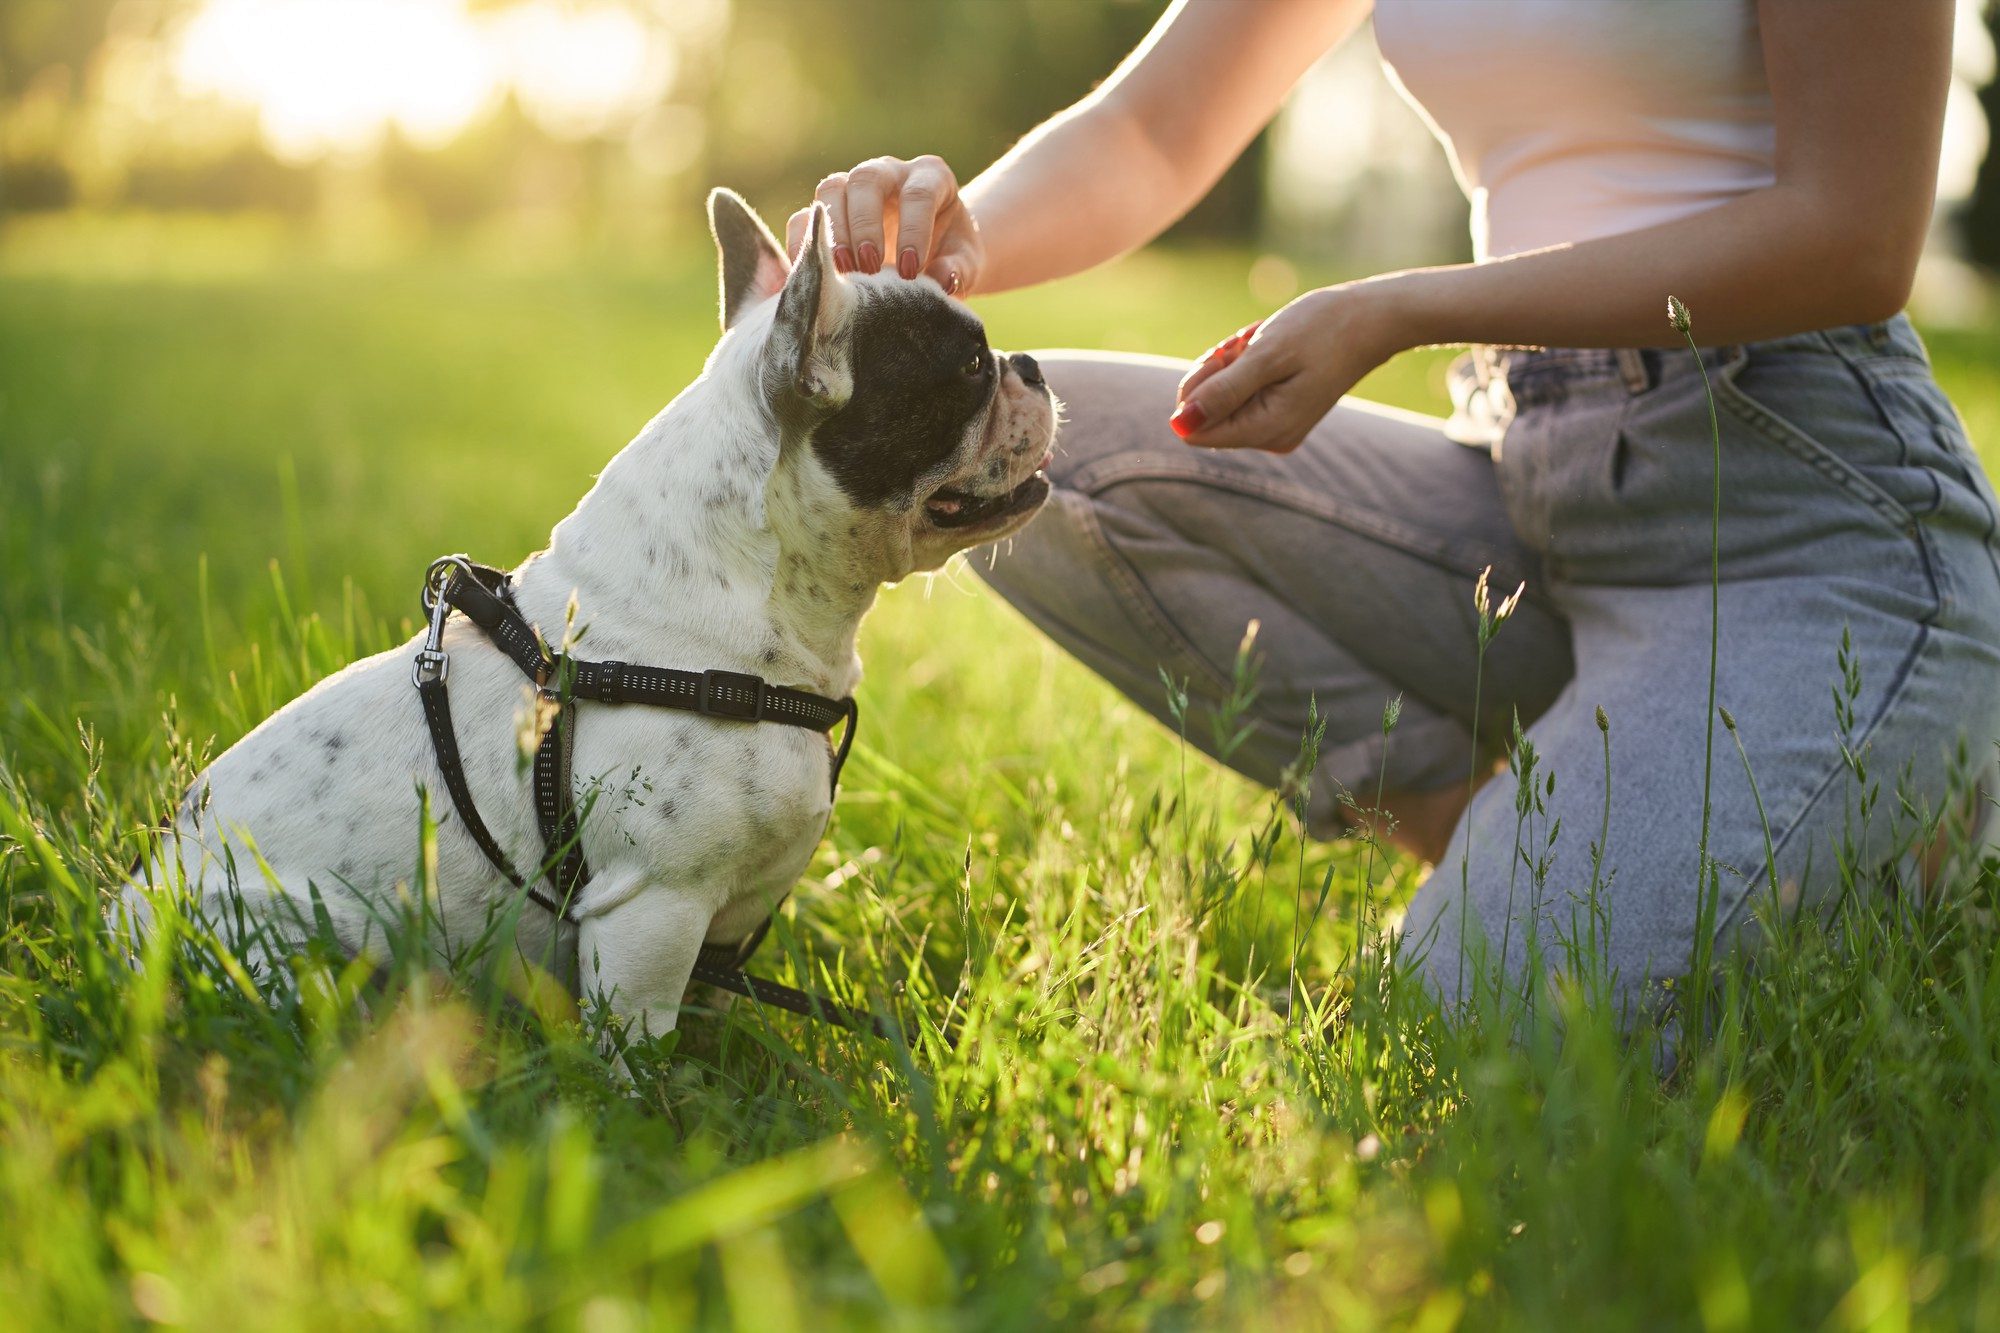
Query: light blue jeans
(1859, 644)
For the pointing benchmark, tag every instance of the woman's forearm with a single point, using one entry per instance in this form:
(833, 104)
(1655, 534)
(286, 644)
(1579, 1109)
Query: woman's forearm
(1775, 262)
(1054, 206)
(1771, 263)
(1119, 167)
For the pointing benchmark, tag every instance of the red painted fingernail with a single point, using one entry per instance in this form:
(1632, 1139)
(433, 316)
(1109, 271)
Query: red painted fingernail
(1188, 419)
(906, 262)
(843, 258)
(871, 258)
(951, 282)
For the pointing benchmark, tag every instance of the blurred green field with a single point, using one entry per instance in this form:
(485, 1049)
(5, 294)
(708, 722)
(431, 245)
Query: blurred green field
(226, 463)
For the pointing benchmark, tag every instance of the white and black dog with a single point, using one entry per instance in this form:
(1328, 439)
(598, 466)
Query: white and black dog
(845, 432)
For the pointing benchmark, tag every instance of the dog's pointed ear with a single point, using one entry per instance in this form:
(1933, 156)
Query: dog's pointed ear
(806, 361)
(753, 263)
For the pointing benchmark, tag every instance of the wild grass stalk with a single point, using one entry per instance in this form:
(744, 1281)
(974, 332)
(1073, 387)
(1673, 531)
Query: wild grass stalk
(1708, 885)
(1491, 618)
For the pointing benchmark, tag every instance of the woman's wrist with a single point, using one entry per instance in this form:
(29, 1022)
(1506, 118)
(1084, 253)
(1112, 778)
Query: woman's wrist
(1389, 312)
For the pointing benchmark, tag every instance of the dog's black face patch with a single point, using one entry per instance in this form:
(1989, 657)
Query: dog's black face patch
(922, 374)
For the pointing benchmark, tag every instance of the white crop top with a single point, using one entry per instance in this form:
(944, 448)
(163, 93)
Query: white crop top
(1572, 119)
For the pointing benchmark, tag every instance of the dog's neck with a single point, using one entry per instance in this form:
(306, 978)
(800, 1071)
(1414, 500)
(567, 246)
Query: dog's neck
(696, 544)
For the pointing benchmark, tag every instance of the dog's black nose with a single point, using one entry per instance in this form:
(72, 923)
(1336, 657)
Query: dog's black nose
(1024, 366)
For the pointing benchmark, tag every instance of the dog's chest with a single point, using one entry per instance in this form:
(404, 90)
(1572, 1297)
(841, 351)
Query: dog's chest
(719, 808)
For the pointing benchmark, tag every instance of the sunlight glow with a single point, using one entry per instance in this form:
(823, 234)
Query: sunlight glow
(582, 71)
(332, 75)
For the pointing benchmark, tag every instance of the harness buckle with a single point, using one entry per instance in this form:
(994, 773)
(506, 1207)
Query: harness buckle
(608, 689)
(431, 665)
(732, 694)
(553, 684)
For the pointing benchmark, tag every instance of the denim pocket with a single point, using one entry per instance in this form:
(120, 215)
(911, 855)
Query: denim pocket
(1916, 408)
(1761, 392)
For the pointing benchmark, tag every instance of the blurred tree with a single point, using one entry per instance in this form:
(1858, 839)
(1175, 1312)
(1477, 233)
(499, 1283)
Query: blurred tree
(807, 88)
(1981, 219)
(769, 95)
(45, 45)
(43, 37)
(470, 178)
(242, 177)
(47, 52)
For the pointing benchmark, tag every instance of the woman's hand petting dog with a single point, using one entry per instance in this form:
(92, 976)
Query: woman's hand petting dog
(1271, 382)
(916, 200)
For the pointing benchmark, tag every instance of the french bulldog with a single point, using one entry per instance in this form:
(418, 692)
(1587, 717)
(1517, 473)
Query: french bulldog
(846, 431)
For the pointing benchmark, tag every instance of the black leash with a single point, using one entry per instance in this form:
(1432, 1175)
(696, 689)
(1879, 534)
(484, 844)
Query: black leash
(485, 597)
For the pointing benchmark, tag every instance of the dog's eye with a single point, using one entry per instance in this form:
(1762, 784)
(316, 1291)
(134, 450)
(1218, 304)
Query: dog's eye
(976, 367)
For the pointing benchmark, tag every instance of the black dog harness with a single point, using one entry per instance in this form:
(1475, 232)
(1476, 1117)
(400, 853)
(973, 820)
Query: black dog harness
(485, 597)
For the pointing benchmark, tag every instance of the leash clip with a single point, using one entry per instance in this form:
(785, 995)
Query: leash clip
(432, 664)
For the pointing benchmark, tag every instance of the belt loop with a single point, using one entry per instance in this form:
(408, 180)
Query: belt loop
(1632, 366)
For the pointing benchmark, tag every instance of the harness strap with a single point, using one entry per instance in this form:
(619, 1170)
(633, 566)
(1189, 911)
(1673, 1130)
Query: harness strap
(485, 597)
(436, 700)
(721, 965)
(810, 1004)
(734, 695)
(555, 808)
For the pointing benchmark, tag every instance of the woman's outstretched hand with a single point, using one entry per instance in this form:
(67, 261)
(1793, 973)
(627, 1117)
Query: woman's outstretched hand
(1271, 382)
(905, 215)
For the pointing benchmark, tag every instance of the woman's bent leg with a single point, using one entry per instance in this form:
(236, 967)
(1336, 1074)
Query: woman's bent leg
(1355, 556)
(1855, 753)
(1858, 664)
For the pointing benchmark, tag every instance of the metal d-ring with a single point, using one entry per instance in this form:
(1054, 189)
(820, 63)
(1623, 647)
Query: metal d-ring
(438, 577)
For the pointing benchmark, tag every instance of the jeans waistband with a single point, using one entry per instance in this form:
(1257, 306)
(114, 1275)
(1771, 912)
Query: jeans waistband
(1641, 368)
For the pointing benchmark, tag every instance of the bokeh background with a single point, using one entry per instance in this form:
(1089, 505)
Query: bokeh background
(543, 126)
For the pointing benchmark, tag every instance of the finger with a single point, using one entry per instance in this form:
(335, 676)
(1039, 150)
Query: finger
(927, 191)
(871, 187)
(1261, 423)
(833, 193)
(1204, 369)
(1219, 357)
(1223, 393)
(954, 265)
(795, 231)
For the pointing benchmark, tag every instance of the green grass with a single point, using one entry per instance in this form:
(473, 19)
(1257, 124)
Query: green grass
(225, 465)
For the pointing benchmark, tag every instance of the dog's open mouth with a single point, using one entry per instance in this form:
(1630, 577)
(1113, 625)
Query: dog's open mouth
(948, 508)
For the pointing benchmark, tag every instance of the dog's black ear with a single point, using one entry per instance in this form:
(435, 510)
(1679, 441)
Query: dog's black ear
(753, 263)
(805, 361)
